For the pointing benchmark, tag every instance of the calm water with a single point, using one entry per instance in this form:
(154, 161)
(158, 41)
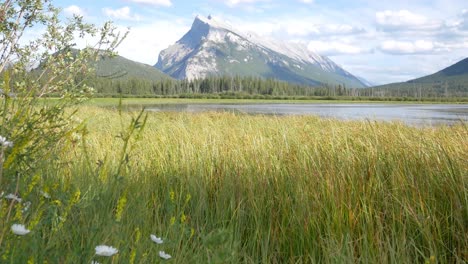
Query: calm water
(414, 114)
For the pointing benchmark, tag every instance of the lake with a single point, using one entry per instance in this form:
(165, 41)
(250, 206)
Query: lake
(413, 114)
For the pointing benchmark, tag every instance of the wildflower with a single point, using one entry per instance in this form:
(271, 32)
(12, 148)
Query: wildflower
(183, 218)
(75, 137)
(5, 143)
(13, 197)
(45, 195)
(120, 207)
(172, 195)
(95, 262)
(164, 255)
(26, 206)
(137, 235)
(156, 239)
(107, 251)
(19, 229)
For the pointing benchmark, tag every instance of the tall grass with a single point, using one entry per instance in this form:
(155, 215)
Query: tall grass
(227, 188)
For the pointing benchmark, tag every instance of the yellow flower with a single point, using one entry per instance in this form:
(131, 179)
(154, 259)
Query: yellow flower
(120, 207)
(132, 256)
(137, 235)
(76, 197)
(172, 195)
(187, 198)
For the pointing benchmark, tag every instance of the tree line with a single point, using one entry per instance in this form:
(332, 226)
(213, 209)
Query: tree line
(269, 87)
(215, 85)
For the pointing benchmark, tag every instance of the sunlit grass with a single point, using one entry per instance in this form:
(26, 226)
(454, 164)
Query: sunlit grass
(227, 188)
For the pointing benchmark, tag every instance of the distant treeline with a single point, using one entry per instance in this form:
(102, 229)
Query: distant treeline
(452, 88)
(242, 87)
(209, 85)
(258, 88)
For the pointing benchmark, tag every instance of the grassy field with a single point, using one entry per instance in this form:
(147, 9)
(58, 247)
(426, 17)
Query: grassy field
(228, 188)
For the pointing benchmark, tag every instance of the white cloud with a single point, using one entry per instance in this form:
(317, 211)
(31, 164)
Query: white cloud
(74, 10)
(405, 20)
(166, 3)
(233, 3)
(339, 29)
(145, 41)
(260, 28)
(306, 1)
(300, 28)
(328, 48)
(297, 28)
(123, 13)
(407, 47)
(464, 21)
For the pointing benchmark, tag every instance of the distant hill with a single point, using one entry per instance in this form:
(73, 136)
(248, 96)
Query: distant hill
(456, 71)
(120, 68)
(451, 81)
(116, 74)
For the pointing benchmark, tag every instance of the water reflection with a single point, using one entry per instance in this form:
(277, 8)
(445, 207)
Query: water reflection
(415, 114)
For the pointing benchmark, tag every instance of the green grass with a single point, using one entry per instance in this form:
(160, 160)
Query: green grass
(228, 188)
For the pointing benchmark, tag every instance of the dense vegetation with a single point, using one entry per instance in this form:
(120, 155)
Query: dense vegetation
(226, 188)
(121, 76)
(214, 188)
(243, 87)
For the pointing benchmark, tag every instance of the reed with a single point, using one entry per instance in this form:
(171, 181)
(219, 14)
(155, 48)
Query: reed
(230, 188)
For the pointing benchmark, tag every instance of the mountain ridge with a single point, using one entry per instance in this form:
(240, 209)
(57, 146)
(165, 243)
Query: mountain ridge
(212, 47)
(457, 69)
(450, 81)
(121, 68)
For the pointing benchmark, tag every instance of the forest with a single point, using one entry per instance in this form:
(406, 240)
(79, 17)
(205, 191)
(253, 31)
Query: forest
(245, 87)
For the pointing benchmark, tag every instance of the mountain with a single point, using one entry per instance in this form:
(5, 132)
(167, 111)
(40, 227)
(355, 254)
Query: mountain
(118, 68)
(121, 68)
(212, 47)
(457, 70)
(365, 82)
(451, 81)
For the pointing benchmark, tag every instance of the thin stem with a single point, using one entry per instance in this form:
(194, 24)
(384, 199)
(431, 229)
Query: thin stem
(9, 212)
(1, 165)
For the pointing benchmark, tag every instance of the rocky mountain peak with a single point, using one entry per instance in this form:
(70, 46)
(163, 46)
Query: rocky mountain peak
(214, 47)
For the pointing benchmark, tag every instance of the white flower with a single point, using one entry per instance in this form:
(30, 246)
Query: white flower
(75, 137)
(95, 262)
(26, 206)
(156, 239)
(45, 194)
(107, 251)
(20, 230)
(5, 143)
(164, 255)
(13, 197)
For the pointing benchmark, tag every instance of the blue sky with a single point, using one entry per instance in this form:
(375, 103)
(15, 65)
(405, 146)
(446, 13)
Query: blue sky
(381, 41)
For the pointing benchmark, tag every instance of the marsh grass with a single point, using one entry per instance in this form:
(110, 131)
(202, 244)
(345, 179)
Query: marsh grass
(229, 188)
